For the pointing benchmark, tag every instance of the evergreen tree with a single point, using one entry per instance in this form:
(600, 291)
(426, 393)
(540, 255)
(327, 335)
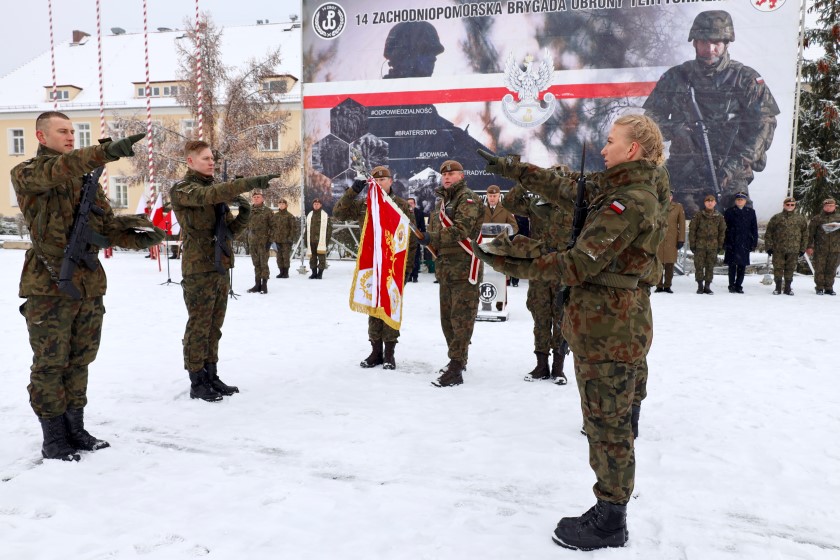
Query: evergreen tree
(817, 171)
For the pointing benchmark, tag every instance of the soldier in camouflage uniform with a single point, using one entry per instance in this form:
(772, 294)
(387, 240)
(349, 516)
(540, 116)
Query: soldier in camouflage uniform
(318, 235)
(383, 338)
(736, 106)
(785, 240)
(706, 237)
(551, 223)
(285, 229)
(458, 289)
(207, 227)
(825, 247)
(65, 332)
(259, 241)
(608, 321)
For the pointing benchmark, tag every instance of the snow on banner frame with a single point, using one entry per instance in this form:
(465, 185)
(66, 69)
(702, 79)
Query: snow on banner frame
(606, 61)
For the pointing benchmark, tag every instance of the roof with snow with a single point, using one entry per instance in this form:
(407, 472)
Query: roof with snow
(124, 65)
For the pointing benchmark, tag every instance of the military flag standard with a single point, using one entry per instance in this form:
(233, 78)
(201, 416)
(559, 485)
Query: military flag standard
(377, 287)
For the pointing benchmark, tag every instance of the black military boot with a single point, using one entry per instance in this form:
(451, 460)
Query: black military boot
(314, 274)
(264, 286)
(603, 526)
(541, 371)
(200, 387)
(77, 436)
(635, 411)
(659, 289)
(558, 357)
(217, 384)
(284, 273)
(699, 287)
(787, 290)
(388, 361)
(55, 440)
(778, 289)
(256, 287)
(707, 288)
(280, 274)
(320, 273)
(451, 375)
(375, 357)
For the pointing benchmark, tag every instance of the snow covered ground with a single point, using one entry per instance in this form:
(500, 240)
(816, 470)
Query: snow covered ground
(316, 458)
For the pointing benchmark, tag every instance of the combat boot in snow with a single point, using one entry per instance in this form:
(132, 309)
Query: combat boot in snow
(314, 274)
(778, 289)
(320, 273)
(557, 367)
(699, 287)
(541, 371)
(388, 358)
(787, 290)
(451, 375)
(256, 287)
(707, 289)
(200, 387)
(635, 411)
(217, 384)
(604, 526)
(375, 357)
(77, 435)
(284, 273)
(55, 440)
(264, 286)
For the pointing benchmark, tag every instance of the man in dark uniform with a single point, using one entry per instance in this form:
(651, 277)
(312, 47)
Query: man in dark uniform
(383, 339)
(741, 239)
(420, 221)
(208, 226)
(737, 109)
(457, 218)
(65, 331)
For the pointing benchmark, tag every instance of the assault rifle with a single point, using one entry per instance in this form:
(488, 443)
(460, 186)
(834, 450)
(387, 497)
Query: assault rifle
(581, 209)
(221, 232)
(76, 252)
(707, 150)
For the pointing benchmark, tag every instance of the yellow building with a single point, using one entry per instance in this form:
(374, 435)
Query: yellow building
(28, 91)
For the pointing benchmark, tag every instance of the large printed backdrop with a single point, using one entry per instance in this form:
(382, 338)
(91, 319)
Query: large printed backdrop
(606, 55)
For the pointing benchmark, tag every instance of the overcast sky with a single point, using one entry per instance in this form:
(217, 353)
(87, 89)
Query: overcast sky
(25, 30)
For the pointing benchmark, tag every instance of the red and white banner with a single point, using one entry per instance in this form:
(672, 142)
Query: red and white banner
(377, 288)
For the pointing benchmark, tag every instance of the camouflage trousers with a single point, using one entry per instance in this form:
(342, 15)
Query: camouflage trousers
(784, 265)
(205, 295)
(379, 330)
(606, 395)
(259, 256)
(316, 260)
(825, 269)
(284, 255)
(640, 392)
(667, 276)
(64, 335)
(458, 309)
(704, 264)
(542, 303)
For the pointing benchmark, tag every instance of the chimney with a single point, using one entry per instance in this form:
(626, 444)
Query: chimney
(79, 36)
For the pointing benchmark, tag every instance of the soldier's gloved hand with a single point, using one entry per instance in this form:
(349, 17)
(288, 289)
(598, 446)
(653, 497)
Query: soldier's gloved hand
(359, 184)
(769, 252)
(244, 206)
(508, 166)
(260, 181)
(123, 148)
(426, 239)
(680, 245)
(146, 239)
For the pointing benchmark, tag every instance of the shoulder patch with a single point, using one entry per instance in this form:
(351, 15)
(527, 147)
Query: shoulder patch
(471, 201)
(759, 80)
(617, 207)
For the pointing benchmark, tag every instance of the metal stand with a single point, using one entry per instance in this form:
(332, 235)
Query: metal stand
(231, 293)
(169, 280)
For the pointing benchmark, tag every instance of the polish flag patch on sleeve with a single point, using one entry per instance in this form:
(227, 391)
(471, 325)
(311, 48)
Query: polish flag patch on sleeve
(617, 207)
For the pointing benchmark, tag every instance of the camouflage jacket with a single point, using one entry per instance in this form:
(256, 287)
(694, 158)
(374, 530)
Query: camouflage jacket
(500, 215)
(350, 208)
(551, 222)
(818, 239)
(193, 201)
(285, 227)
(787, 232)
(464, 208)
(48, 189)
(707, 230)
(259, 225)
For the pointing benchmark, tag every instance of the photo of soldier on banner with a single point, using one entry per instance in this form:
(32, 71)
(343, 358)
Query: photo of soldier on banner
(412, 87)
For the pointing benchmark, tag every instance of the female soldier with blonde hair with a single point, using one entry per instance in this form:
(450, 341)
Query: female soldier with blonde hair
(607, 321)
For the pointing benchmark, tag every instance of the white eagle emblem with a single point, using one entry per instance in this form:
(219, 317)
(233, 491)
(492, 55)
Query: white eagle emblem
(527, 83)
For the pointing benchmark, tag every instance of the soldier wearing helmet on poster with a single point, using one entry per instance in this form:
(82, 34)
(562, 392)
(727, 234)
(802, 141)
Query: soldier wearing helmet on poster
(718, 114)
(412, 48)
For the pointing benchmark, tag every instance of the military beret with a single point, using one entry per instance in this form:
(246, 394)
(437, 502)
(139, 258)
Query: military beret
(789, 199)
(451, 165)
(318, 200)
(283, 201)
(709, 197)
(829, 201)
(493, 189)
(741, 195)
(380, 171)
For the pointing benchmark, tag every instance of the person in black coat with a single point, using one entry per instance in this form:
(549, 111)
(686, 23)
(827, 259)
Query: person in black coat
(741, 239)
(420, 219)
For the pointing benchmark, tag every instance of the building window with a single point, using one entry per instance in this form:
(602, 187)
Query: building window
(119, 192)
(60, 95)
(83, 134)
(16, 143)
(270, 144)
(170, 91)
(275, 86)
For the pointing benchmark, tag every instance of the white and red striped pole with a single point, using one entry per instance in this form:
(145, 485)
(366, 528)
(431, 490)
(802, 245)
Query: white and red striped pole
(198, 71)
(108, 252)
(52, 58)
(150, 144)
